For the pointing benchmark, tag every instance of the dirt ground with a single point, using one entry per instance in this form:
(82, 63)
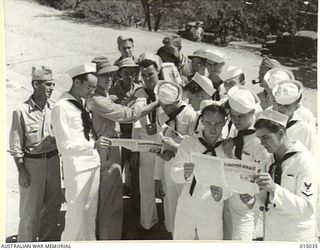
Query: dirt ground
(38, 35)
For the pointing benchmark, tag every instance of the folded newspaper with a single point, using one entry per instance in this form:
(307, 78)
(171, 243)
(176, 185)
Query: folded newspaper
(235, 175)
(136, 145)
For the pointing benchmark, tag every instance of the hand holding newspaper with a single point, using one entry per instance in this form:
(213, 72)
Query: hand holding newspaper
(168, 132)
(232, 174)
(136, 145)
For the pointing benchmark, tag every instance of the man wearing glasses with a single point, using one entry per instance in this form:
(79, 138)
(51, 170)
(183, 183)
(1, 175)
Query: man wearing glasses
(35, 152)
(78, 145)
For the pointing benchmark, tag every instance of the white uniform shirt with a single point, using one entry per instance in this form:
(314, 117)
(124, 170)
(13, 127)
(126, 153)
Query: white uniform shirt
(303, 132)
(184, 124)
(242, 216)
(291, 213)
(78, 154)
(201, 202)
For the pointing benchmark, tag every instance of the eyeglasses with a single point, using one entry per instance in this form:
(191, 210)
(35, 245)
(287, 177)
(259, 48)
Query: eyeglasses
(49, 84)
(91, 88)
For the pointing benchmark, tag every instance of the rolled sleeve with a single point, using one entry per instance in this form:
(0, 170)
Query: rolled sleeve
(16, 135)
(108, 109)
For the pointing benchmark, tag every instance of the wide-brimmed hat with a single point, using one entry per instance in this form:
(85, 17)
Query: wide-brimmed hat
(215, 56)
(127, 62)
(200, 53)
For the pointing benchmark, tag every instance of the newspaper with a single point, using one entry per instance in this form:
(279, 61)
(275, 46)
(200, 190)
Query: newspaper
(167, 131)
(235, 175)
(136, 145)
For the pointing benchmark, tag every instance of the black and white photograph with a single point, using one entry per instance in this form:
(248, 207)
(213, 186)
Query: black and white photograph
(142, 120)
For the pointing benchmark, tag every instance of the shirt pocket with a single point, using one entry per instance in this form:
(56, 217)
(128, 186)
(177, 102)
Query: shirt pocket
(289, 183)
(33, 133)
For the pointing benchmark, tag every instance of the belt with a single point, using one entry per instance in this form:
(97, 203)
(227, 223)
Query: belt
(42, 155)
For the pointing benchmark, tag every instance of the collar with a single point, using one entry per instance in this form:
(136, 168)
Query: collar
(33, 105)
(200, 135)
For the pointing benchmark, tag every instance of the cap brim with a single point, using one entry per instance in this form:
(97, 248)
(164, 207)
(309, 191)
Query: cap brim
(107, 70)
(194, 56)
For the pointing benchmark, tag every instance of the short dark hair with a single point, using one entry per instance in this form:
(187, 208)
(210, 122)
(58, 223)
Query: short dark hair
(214, 109)
(147, 62)
(273, 127)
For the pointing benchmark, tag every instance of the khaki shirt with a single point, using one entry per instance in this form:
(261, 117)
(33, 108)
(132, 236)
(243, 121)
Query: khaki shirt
(31, 130)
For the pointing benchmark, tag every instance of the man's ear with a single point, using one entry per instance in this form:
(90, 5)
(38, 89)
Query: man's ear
(35, 84)
(280, 134)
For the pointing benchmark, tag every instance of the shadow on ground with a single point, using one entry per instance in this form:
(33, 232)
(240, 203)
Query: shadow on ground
(131, 225)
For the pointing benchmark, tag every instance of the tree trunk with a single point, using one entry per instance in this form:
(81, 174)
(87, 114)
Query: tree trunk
(146, 8)
(158, 19)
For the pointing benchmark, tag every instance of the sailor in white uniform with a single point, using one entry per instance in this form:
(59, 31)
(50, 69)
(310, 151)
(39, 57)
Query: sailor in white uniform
(200, 207)
(288, 189)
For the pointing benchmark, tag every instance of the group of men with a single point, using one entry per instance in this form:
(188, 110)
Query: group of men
(207, 109)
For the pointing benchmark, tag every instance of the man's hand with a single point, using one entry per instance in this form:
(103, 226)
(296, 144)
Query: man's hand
(24, 177)
(166, 155)
(265, 182)
(159, 193)
(102, 142)
(170, 144)
(113, 98)
(248, 200)
(216, 192)
(188, 169)
(228, 146)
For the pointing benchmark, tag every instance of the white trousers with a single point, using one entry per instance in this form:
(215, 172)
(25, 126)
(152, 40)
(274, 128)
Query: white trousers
(148, 208)
(189, 226)
(172, 191)
(82, 198)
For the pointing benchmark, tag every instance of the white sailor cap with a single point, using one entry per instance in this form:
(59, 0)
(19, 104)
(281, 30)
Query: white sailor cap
(168, 92)
(287, 92)
(242, 99)
(214, 56)
(205, 83)
(275, 75)
(274, 116)
(230, 73)
(82, 69)
(206, 103)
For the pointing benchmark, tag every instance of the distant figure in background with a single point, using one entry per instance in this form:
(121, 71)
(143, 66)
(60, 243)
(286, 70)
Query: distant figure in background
(125, 46)
(198, 62)
(215, 63)
(199, 88)
(35, 153)
(197, 32)
(231, 77)
(265, 66)
(171, 52)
